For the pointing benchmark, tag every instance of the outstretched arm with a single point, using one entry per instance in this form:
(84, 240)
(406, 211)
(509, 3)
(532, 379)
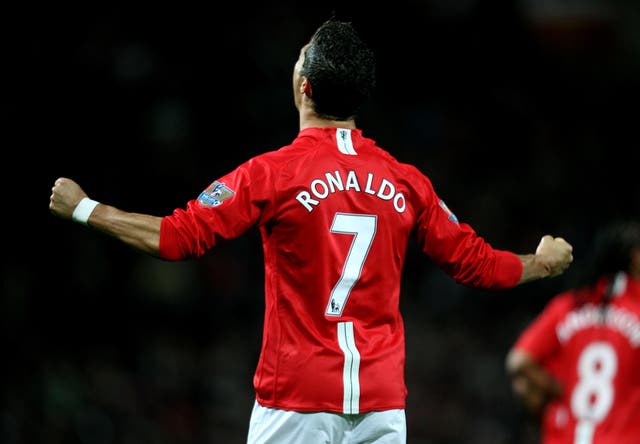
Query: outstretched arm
(552, 257)
(140, 231)
(531, 384)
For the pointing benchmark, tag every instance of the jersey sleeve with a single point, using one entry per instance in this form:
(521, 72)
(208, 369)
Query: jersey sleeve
(539, 339)
(224, 210)
(457, 249)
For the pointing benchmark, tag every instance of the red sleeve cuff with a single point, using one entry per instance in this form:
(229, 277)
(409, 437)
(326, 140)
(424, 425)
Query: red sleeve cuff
(508, 270)
(169, 246)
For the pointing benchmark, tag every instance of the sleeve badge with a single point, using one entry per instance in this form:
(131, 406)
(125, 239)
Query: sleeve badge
(215, 194)
(452, 217)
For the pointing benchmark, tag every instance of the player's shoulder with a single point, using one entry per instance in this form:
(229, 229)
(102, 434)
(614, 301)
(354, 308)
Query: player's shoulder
(633, 286)
(409, 170)
(277, 154)
(412, 174)
(566, 300)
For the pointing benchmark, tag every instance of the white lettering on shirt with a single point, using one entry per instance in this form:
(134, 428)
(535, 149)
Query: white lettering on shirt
(320, 188)
(590, 315)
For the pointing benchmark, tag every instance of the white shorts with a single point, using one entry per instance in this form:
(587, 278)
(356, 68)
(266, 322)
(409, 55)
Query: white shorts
(275, 426)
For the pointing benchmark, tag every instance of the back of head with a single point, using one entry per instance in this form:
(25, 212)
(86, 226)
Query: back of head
(613, 251)
(341, 70)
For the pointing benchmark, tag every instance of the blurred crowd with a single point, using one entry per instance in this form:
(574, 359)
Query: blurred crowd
(521, 112)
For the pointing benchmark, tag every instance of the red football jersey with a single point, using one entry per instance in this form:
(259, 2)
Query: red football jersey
(335, 214)
(593, 349)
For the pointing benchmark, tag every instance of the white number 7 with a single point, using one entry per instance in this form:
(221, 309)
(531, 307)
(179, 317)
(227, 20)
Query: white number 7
(363, 228)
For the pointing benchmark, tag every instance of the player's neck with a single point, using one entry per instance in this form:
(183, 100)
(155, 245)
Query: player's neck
(312, 120)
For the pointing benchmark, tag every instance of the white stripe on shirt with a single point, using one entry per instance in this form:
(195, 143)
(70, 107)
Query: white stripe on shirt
(345, 144)
(351, 370)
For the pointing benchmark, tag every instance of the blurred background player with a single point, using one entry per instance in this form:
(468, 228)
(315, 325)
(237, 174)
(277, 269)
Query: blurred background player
(336, 213)
(576, 367)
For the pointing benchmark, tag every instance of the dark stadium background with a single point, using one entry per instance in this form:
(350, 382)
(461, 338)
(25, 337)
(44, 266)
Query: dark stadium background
(524, 115)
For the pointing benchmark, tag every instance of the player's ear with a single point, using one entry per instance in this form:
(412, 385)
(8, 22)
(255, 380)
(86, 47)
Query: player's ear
(305, 87)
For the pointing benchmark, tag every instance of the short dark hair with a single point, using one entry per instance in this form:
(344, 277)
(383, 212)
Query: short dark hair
(340, 68)
(611, 250)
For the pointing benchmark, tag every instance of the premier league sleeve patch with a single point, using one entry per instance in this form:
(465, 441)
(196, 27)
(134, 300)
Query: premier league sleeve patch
(452, 217)
(215, 194)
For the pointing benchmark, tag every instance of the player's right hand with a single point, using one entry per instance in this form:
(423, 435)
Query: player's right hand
(65, 195)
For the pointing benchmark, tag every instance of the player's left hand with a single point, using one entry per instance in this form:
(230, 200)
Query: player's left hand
(555, 253)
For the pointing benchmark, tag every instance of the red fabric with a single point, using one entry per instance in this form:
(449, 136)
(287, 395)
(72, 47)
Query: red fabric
(596, 362)
(295, 195)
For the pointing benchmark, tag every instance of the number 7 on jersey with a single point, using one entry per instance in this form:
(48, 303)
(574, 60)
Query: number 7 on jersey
(363, 229)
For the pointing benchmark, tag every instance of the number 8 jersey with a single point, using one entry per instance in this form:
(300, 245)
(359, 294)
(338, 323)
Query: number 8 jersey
(335, 213)
(593, 350)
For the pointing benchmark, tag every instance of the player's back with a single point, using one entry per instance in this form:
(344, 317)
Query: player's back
(598, 365)
(335, 245)
(335, 213)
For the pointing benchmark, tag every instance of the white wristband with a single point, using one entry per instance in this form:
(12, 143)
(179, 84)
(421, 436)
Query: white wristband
(83, 210)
